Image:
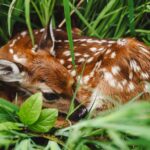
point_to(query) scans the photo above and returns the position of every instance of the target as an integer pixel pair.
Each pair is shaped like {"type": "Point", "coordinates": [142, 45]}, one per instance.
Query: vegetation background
{"type": "Point", "coordinates": [126, 127]}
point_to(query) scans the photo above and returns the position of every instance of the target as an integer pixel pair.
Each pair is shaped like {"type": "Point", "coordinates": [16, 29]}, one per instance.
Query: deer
{"type": "Point", "coordinates": [115, 71]}
{"type": "Point", "coordinates": [24, 70]}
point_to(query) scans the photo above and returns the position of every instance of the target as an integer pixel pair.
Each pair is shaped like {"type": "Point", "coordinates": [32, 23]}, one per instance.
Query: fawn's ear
{"type": "Point", "coordinates": [48, 40]}
{"type": "Point", "coordinates": [9, 71]}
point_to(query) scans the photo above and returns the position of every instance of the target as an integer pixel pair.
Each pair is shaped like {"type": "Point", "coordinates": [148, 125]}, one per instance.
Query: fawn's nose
{"type": "Point", "coordinates": [79, 113]}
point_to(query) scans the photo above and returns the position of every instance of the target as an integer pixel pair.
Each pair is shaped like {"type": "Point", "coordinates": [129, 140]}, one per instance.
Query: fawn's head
{"type": "Point", "coordinates": [33, 68]}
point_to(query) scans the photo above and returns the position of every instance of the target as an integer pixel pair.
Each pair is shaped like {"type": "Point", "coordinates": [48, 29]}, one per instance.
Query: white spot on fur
{"type": "Point", "coordinates": [11, 51]}
{"type": "Point", "coordinates": [86, 55]}
{"type": "Point", "coordinates": [131, 75]}
{"type": "Point", "coordinates": [70, 59]}
{"type": "Point", "coordinates": [115, 70]}
{"type": "Point", "coordinates": [58, 29]}
{"type": "Point", "coordinates": [91, 74]}
{"type": "Point", "coordinates": [131, 87]}
{"type": "Point", "coordinates": [73, 73]}
{"type": "Point", "coordinates": [124, 82]}
{"type": "Point", "coordinates": [81, 60]}
{"type": "Point", "coordinates": [69, 66]}
{"type": "Point", "coordinates": [79, 79]}
{"type": "Point", "coordinates": [24, 33]}
{"type": "Point", "coordinates": [13, 43]}
{"type": "Point", "coordinates": [58, 41]}
{"type": "Point", "coordinates": [144, 75]}
{"type": "Point", "coordinates": [111, 42]}
{"type": "Point", "coordinates": [97, 53]}
{"type": "Point", "coordinates": [108, 51]}
{"type": "Point", "coordinates": [90, 41]}
{"type": "Point", "coordinates": [112, 83]}
{"type": "Point", "coordinates": [122, 42]}
{"type": "Point", "coordinates": [86, 79]}
{"type": "Point", "coordinates": [109, 45]}
{"type": "Point", "coordinates": [36, 32]}
{"type": "Point", "coordinates": [147, 87]}
{"type": "Point", "coordinates": [66, 53]}
{"type": "Point", "coordinates": [18, 38]}
{"type": "Point", "coordinates": [75, 40]}
{"type": "Point", "coordinates": [66, 41]}
{"type": "Point", "coordinates": [93, 49]}
{"type": "Point", "coordinates": [83, 40]}
{"type": "Point", "coordinates": [119, 86]}
{"type": "Point", "coordinates": [134, 66]}
{"type": "Point", "coordinates": [97, 65]}
{"type": "Point", "coordinates": [90, 60]}
{"type": "Point", "coordinates": [104, 41]}
{"type": "Point", "coordinates": [77, 54]}
{"type": "Point", "coordinates": [113, 55]}
{"type": "Point", "coordinates": [19, 59]}
{"type": "Point", "coordinates": [101, 49]}
{"type": "Point", "coordinates": [83, 44]}
{"type": "Point", "coordinates": [108, 76]}
{"type": "Point", "coordinates": [42, 30]}
{"type": "Point", "coordinates": [62, 61]}
{"type": "Point", "coordinates": [144, 49]}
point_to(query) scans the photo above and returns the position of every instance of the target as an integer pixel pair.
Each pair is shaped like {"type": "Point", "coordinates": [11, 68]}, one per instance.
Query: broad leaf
{"type": "Point", "coordinates": [7, 126]}
{"type": "Point", "coordinates": [30, 110]}
{"type": "Point", "coordinates": [24, 145]}
{"type": "Point", "coordinates": [52, 146]}
{"type": "Point", "coordinates": [6, 115]}
{"type": "Point", "coordinates": [8, 106]}
{"type": "Point", "coordinates": [46, 120]}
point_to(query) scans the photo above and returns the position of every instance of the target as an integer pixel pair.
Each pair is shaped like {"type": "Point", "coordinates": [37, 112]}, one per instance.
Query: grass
{"type": "Point", "coordinates": [126, 127]}
{"type": "Point", "coordinates": [68, 26]}
{"type": "Point", "coordinates": [103, 19]}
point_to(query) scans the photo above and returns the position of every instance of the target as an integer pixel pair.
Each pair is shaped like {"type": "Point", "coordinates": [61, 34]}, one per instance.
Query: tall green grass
{"type": "Point", "coordinates": [103, 19]}
{"type": "Point", "coordinates": [68, 27]}
{"type": "Point", "coordinates": [125, 127]}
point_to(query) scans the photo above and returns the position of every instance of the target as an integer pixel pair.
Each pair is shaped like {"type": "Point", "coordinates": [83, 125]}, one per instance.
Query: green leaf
{"type": "Point", "coordinates": [30, 110]}
{"type": "Point", "coordinates": [24, 145]}
{"type": "Point", "coordinates": [8, 106]}
{"type": "Point", "coordinates": [7, 126]}
{"type": "Point", "coordinates": [46, 120]}
{"type": "Point", "coordinates": [52, 146]}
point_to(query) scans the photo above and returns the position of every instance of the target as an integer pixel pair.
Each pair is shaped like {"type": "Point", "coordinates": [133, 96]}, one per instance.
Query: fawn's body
{"type": "Point", "coordinates": [113, 69]}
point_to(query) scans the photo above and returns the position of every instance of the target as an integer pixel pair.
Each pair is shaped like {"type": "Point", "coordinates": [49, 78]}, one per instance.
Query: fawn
{"type": "Point", "coordinates": [116, 70]}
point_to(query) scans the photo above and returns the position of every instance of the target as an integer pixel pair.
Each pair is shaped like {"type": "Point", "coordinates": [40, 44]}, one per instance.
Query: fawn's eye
{"type": "Point", "coordinates": [50, 96]}
{"type": "Point", "coordinates": [42, 80]}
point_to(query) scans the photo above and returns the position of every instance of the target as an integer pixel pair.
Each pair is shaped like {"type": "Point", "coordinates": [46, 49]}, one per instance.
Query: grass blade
{"type": "Point", "coordinates": [69, 31]}
{"type": "Point", "coordinates": [28, 21]}
{"type": "Point", "coordinates": [9, 15]}
{"type": "Point", "coordinates": [131, 16]}
{"type": "Point", "coordinates": [84, 20]}
{"type": "Point", "coordinates": [103, 12]}
{"type": "Point", "coordinates": [8, 106]}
